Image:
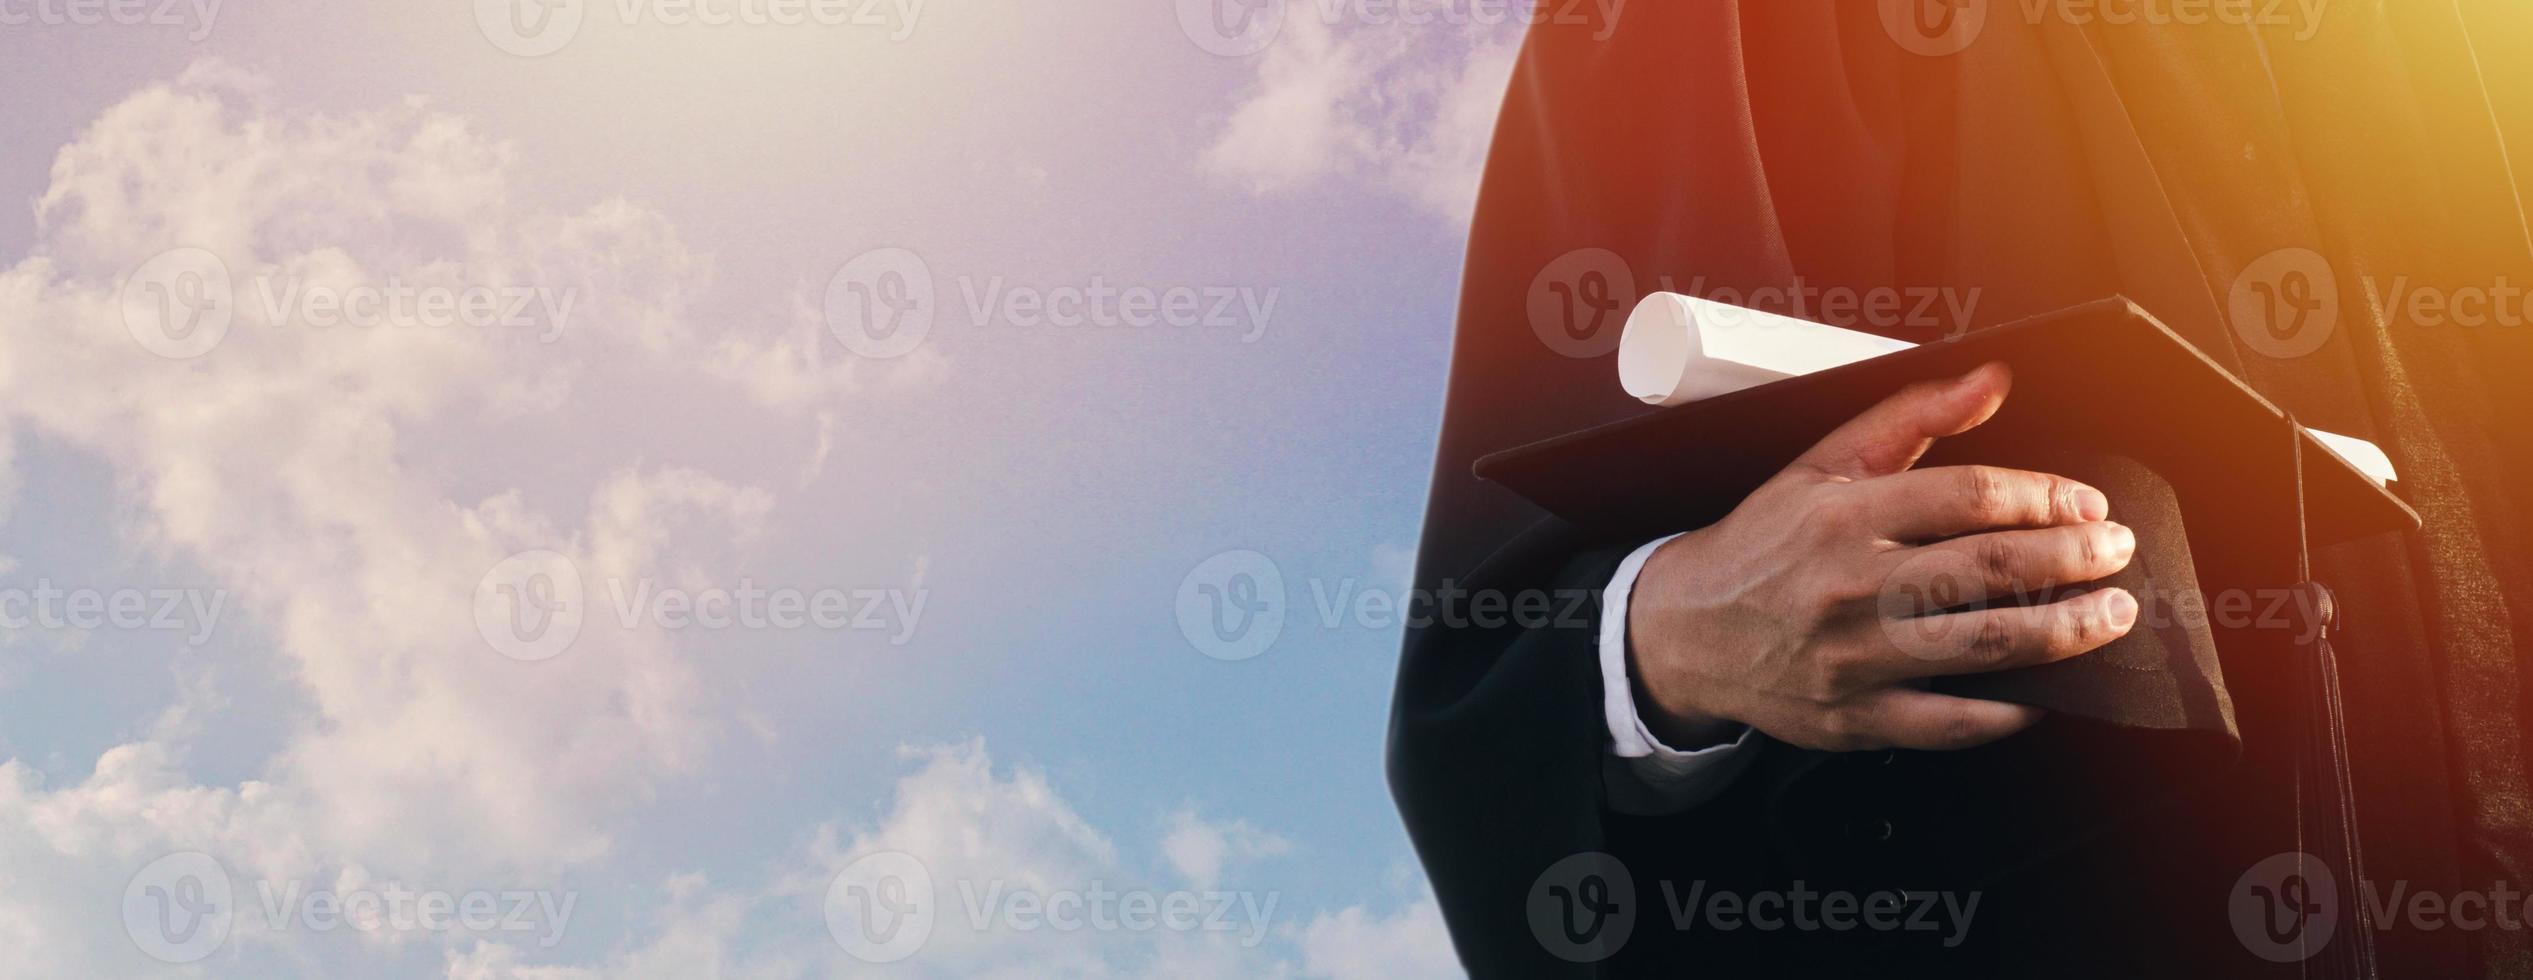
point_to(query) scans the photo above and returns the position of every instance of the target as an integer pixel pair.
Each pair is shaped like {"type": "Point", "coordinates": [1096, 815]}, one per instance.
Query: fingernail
{"type": "Point", "coordinates": [2123, 542]}
{"type": "Point", "coordinates": [2091, 504]}
{"type": "Point", "coordinates": [2123, 609]}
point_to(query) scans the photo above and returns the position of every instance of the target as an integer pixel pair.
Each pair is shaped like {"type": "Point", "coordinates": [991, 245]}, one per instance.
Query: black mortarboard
{"type": "Point", "coordinates": [2227, 495]}
{"type": "Point", "coordinates": [2224, 490]}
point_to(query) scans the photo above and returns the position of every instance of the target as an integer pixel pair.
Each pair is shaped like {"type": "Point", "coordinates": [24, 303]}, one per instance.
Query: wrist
{"type": "Point", "coordinates": [1685, 729]}
{"type": "Point", "coordinates": [1673, 716]}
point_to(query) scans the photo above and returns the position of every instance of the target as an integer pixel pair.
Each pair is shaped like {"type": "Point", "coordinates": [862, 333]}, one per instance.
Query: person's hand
{"type": "Point", "coordinates": [1783, 617]}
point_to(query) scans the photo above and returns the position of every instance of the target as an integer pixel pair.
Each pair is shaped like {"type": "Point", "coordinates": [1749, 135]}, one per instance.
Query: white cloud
{"type": "Point", "coordinates": [347, 485]}
{"type": "Point", "coordinates": [1400, 107]}
{"type": "Point", "coordinates": [1356, 943]}
{"type": "Point", "coordinates": [1200, 849]}
{"type": "Point", "coordinates": [990, 839]}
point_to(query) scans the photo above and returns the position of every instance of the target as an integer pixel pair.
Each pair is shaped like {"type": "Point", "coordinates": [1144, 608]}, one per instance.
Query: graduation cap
{"type": "Point", "coordinates": [2226, 492]}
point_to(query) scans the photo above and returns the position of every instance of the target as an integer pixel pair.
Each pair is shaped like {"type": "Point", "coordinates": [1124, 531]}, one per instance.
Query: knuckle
{"type": "Point", "coordinates": [2057, 500]}
{"type": "Point", "coordinates": [1830, 502]}
{"type": "Point", "coordinates": [1995, 555]}
{"type": "Point", "coordinates": [2098, 627]}
{"type": "Point", "coordinates": [2010, 497]}
{"type": "Point", "coordinates": [1838, 674]}
{"type": "Point", "coordinates": [1984, 490]}
{"type": "Point", "coordinates": [1845, 586]}
{"type": "Point", "coordinates": [1849, 584]}
{"type": "Point", "coordinates": [2081, 628]}
{"type": "Point", "coordinates": [2091, 548]}
{"type": "Point", "coordinates": [1836, 722]}
{"type": "Point", "coordinates": [1834, 513]}
{"type": "Point", "coordinates": [1843, 728]}
{"type": "Point", "coordinates": [1992, 642]}
{"type": "Point", "coordinates": [1811, 604]}
{"type": "Point", "coordinates": [2063, 507]}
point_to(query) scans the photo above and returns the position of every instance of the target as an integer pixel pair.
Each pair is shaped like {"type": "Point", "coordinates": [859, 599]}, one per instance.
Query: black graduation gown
{"type": "Point", "coordinates": [1764, 150]}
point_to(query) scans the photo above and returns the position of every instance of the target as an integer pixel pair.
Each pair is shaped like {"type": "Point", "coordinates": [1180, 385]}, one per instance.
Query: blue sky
{"type": "Point", "coordinates": [696, 423]}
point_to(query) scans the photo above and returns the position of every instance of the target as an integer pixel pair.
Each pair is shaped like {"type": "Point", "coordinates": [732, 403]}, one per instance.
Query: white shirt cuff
{"type": "Point", "coordinates": [1645, 776]}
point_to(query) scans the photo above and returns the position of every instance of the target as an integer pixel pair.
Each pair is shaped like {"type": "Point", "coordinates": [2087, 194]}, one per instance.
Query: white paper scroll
{"type": "Point", "coordinates": [1677, 349]}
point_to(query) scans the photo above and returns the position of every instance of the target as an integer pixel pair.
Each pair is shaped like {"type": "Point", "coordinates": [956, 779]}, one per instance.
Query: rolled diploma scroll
{"type": "Point", "coordinates": [1677, 349]}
